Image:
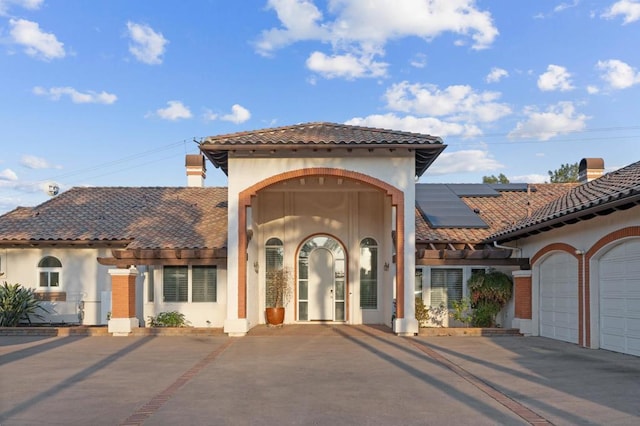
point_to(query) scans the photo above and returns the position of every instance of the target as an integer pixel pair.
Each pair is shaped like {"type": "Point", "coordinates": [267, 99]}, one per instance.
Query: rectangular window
{"type": "Point", "coordinates": [49, 279]}
{"type": "Point", "coordinates": [446, 287]}
{"type": "Point", "coordinates": [151, 291]}
{"type": "Point", "coordinates": [203, 284]}
{"type": "Point", "coordinates": [369, 277]}
{"type": "Point", "coordinates": [175, 283]}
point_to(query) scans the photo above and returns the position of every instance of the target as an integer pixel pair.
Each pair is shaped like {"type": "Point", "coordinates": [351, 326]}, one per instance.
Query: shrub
{"type": "Point", "coordinates": [490, 291]}
{"type": "Point", "coordinates": [422, 312]}
{"type": "Point", "coordinates": [462, 311]}
{"type": "Point", "coordinates": [168, 319]}
{"type": "Point", "coordinates": [18, 304]}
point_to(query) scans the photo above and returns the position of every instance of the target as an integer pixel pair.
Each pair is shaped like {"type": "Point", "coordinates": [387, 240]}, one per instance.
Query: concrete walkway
{"type": "Point", "coordinates": [313, 375]}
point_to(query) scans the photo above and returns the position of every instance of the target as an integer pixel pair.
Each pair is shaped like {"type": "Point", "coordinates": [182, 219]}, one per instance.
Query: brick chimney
{"type": "Point", "coordinates": [196, 170]}
{"type": "Point", "coordinates": [590, 169]}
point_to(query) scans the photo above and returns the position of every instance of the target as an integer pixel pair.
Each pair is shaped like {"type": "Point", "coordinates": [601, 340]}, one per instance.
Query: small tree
{"type": "Point", "coordinates": [422, 312]}
{"type": "Point", "coordinates": [501, 178]}
{"type": "Point", "coordinates": [278, 287]}
{"type": "Point", "coordinates": [18, 304]}
{"type": "Point", "coordinates": [490, 292]}
{"type": "Point", "coordinates": [567, 173]}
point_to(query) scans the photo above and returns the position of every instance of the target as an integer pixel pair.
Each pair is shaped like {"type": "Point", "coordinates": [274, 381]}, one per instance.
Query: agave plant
{"type": "Point", "coordinates": [18, 303]}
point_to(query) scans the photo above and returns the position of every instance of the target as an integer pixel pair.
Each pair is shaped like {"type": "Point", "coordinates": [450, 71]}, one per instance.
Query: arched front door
{"type": "Point", "coordinates": [321, 280]}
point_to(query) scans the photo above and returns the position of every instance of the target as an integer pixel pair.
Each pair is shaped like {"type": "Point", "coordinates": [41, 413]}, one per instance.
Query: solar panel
{"type": "Point", "coordinates": [513, 187]}
{"type": "Point", "coordinates": [473, 190]}
{"type": "Point", "coordinates": [443, 208]}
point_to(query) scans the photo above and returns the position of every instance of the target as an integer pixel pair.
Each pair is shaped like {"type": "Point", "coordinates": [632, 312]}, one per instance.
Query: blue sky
{"type": "Point", "coordinates": [114, 92]}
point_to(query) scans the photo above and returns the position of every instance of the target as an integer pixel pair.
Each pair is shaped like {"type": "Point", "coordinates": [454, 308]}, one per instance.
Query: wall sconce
{"type": "Point", "coordinates": [386, 266]}
{"type": "Point", "coordinates": [256, 266]}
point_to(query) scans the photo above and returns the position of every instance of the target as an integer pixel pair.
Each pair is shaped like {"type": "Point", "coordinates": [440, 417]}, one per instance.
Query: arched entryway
{"type": "Point", "coordinates": [321, 280]}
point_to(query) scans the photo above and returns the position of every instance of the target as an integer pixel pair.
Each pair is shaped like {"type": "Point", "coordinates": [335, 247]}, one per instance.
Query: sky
{"type": "Point", "coordinates": [116, 92]}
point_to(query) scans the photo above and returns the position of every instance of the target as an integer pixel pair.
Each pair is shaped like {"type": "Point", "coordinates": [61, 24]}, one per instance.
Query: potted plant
{"type": "Point", "coordinates": [278, 292]}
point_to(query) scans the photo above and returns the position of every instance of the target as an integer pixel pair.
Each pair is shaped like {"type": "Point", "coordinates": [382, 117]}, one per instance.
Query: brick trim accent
{"type": "Point", "coordinates": [568, 248]}
{"type": "Point", "coordinates": [123, 293]}
{"type": "Point", "coordinates": [631, 231]}
{"type": "Point", "coordinates": [51, 296]}
{"type": "Point", "coordinates": [244, 201]}
{"type": "Point", "coordinates": [522, 295]}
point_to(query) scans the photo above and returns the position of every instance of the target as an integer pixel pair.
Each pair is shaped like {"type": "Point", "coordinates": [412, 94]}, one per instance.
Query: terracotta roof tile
{"type": "Point", "coordinates": [152, 217]}
{"type": "Point", "coordinates": [497, 212]}
{"type": "Point", "coordinates": [616, 188]}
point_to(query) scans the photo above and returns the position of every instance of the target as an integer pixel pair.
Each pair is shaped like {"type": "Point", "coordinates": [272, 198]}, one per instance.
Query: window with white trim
{"type": "Point", "coordinates": [446, 287]}
{"type": "Point", "coordinates": [368, 274]}
{"type": "Point", "coordinates": [189, 284]}
{"type": "Point", "coordinates": [50, 269]}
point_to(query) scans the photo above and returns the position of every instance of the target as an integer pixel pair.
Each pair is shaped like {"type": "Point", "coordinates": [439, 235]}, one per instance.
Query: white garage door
{"type": "Point", "coordinates": [559, 297]}
{"type": "Point", "coordinates": [620, 298]}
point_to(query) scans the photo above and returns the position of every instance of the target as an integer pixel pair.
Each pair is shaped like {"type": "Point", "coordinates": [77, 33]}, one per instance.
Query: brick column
{"type": "Point", "coordinates": [123, 301]}
{"type": "Point", "coordinates": [522, 298]}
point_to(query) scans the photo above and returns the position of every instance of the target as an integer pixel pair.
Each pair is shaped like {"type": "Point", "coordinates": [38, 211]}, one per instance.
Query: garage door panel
{"type": "Point", "coordinates": [619, 279]}
{"type": "Point", "coordinates": [558, 297]}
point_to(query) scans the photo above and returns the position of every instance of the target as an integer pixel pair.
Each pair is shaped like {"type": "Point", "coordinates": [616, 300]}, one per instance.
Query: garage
{"type": "Point", "coordinates": [619, 276]}
{"type": "Point", "coordinates": [558, 313]}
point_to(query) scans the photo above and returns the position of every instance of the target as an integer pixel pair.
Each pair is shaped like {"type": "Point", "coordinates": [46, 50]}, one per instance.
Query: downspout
{"type": "Point", "coordinates": [496, 245]}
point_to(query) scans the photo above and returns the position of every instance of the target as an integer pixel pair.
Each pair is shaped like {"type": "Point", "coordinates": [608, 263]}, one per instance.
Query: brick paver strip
{"type": "Point", "coordinates": [154, 404]}
{"type": "Point", "coordinates": [530, 416]}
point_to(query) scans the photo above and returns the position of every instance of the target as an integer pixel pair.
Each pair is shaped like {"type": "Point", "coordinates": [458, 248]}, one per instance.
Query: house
{"type": "Point", "coordinates": [584, 249]}
{"type": "Point", "coordinates": [336, 204]}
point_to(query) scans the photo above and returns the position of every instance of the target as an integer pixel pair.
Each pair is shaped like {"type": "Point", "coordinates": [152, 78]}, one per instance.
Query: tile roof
{"type": "Point", "coordinates": [150, 217]}
{"type": "Point", "coordinates": [496, 212]}
{"type": "Point", "coordinates": [320, 134]}
{"type": "Point", "coordinates": [616, 190]}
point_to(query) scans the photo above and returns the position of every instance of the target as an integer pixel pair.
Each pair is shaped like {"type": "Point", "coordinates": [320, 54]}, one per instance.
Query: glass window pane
{"type": "Point", "coordinates": [175, 284]}
{"type": "Point", "coordinates": [340, 290]}
{"type": "Point", "coordinates": [339, 311]}
{"type": "Point", "coordinates": [302, 311]}
{"type": "Point", "coordinates": [303, 290]}
{"type": "Point", "coordinates": [44, 279]}
{"type": "Point", "coordinates": [50, 262]}
{"type": "Point", "coordinates": [203, 284]}
{"type": "Point", "coordinates": [446, 287]}
{"type": "Point", "coordinates": [368, 274]}
{"type": "Point", "coordinates": [54, 279]}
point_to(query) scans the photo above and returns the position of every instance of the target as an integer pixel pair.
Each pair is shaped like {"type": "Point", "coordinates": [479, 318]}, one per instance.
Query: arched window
{"type": "Point", "coordinates": [368, 274]}
{"type": "Point", "coordinates": [274, 260]}
{"type": "Point", "coordinates": [50, 268]}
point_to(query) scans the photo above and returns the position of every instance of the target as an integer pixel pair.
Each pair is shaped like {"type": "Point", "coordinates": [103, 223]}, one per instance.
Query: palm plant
{"type": "Point", "coordinates": [17, 304]}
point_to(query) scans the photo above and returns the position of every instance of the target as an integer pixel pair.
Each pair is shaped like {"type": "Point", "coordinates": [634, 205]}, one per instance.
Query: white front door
{"type": "Point", "coordinates": [321, 285]}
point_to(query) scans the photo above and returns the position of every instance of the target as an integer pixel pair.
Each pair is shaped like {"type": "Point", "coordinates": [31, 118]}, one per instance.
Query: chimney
{"type": "Point", "coordinates": [590, 169]}
{"type": "Point", "coordinates": [196, 170]}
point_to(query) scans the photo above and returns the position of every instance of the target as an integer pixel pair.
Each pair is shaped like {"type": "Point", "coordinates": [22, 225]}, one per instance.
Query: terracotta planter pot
{"type": "Point", "coordinates": [275, 316]}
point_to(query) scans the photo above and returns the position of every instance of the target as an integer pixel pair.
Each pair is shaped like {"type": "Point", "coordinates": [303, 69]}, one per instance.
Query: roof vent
{"type": "Point", "coordinates": [590, 169]}
{"type": "Point", "coordinates": [196, 170]}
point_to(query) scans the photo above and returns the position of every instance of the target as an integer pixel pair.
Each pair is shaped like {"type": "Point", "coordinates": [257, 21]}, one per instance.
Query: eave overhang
{"type": "Point", "coordinates": [167, 257]}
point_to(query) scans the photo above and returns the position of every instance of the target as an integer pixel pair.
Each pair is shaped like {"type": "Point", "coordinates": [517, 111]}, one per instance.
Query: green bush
{"type": "Point", "coordinates": [168, 319]}
{"type": "Point", "coordinates": [462, 311]}
{"type": "Point", "coordinates": [422, 312]}
{"type": "Point", "coordinates": [490, 292]}
{"type": "Point", "coordinates": [18, 304]}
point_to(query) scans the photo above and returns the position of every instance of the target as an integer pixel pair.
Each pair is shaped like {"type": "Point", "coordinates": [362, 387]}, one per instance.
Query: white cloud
{"type": "Point", "coordinates": [209, 115]}
{"type": "Point", "coordinates": [419, 61]}
{"type": "Point", "coordinates": [592, 90]}
{"type": "Point", "coordinates": [557, 119]}
{"type": "Point", "coordinates": [358, 32]}
{"type": "Point", "coordinates": [8, 175]}
{"type": "Point", "coordinates": [618, 74]}
{"type": "Point", "coordinates": [459, 102]}
{"type": "Point", "coordinates": [466, 161]}
{"type": "Point", "coordinates": [564, 6]}
{"type": "Point", "coordinates": [37, 43]}
{"type": "Point", "coordinates": [630, 9]}
{"type": "Point", "coordinates": [238, 115]}
{"type": "Point", "coordinates": [496, 75]}
{"type": "Point", "coordinates": [33, 162]}
{"type": "Point", "coordinates": [90, 97]}
{"type": "Point", "coordinates": [346, 66]}
{"type": "Point", "coordinates": [532, 178]}
{"type": "Point", "coordinates": [424, 125]}
{"type": "Point", "coordinates": [556, 78]}
{"type": "Point", "coordinates": [146, 45]}
{"type": "Point", "coordinates": [176, 110]}
{"type": "Point", "coordinates": [25, 4]}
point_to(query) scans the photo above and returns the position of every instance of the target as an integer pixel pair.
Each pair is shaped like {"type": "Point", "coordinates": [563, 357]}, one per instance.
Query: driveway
{"type": "Point", "coordinates": [313, 375]}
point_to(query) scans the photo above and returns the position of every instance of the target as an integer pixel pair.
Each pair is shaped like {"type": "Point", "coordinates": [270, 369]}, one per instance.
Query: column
{"type": "Point", "coordinates": [522, 297]}
{"type": "Point", "coordinates": [123, 301]}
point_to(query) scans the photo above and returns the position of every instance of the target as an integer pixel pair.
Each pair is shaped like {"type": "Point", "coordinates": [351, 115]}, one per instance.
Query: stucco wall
{"type": "Point", "coordinates": [82, 279]}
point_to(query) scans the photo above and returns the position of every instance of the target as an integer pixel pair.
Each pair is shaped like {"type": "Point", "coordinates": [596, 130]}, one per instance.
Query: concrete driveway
{"type": "Point", "coordinates": [313, 375]}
